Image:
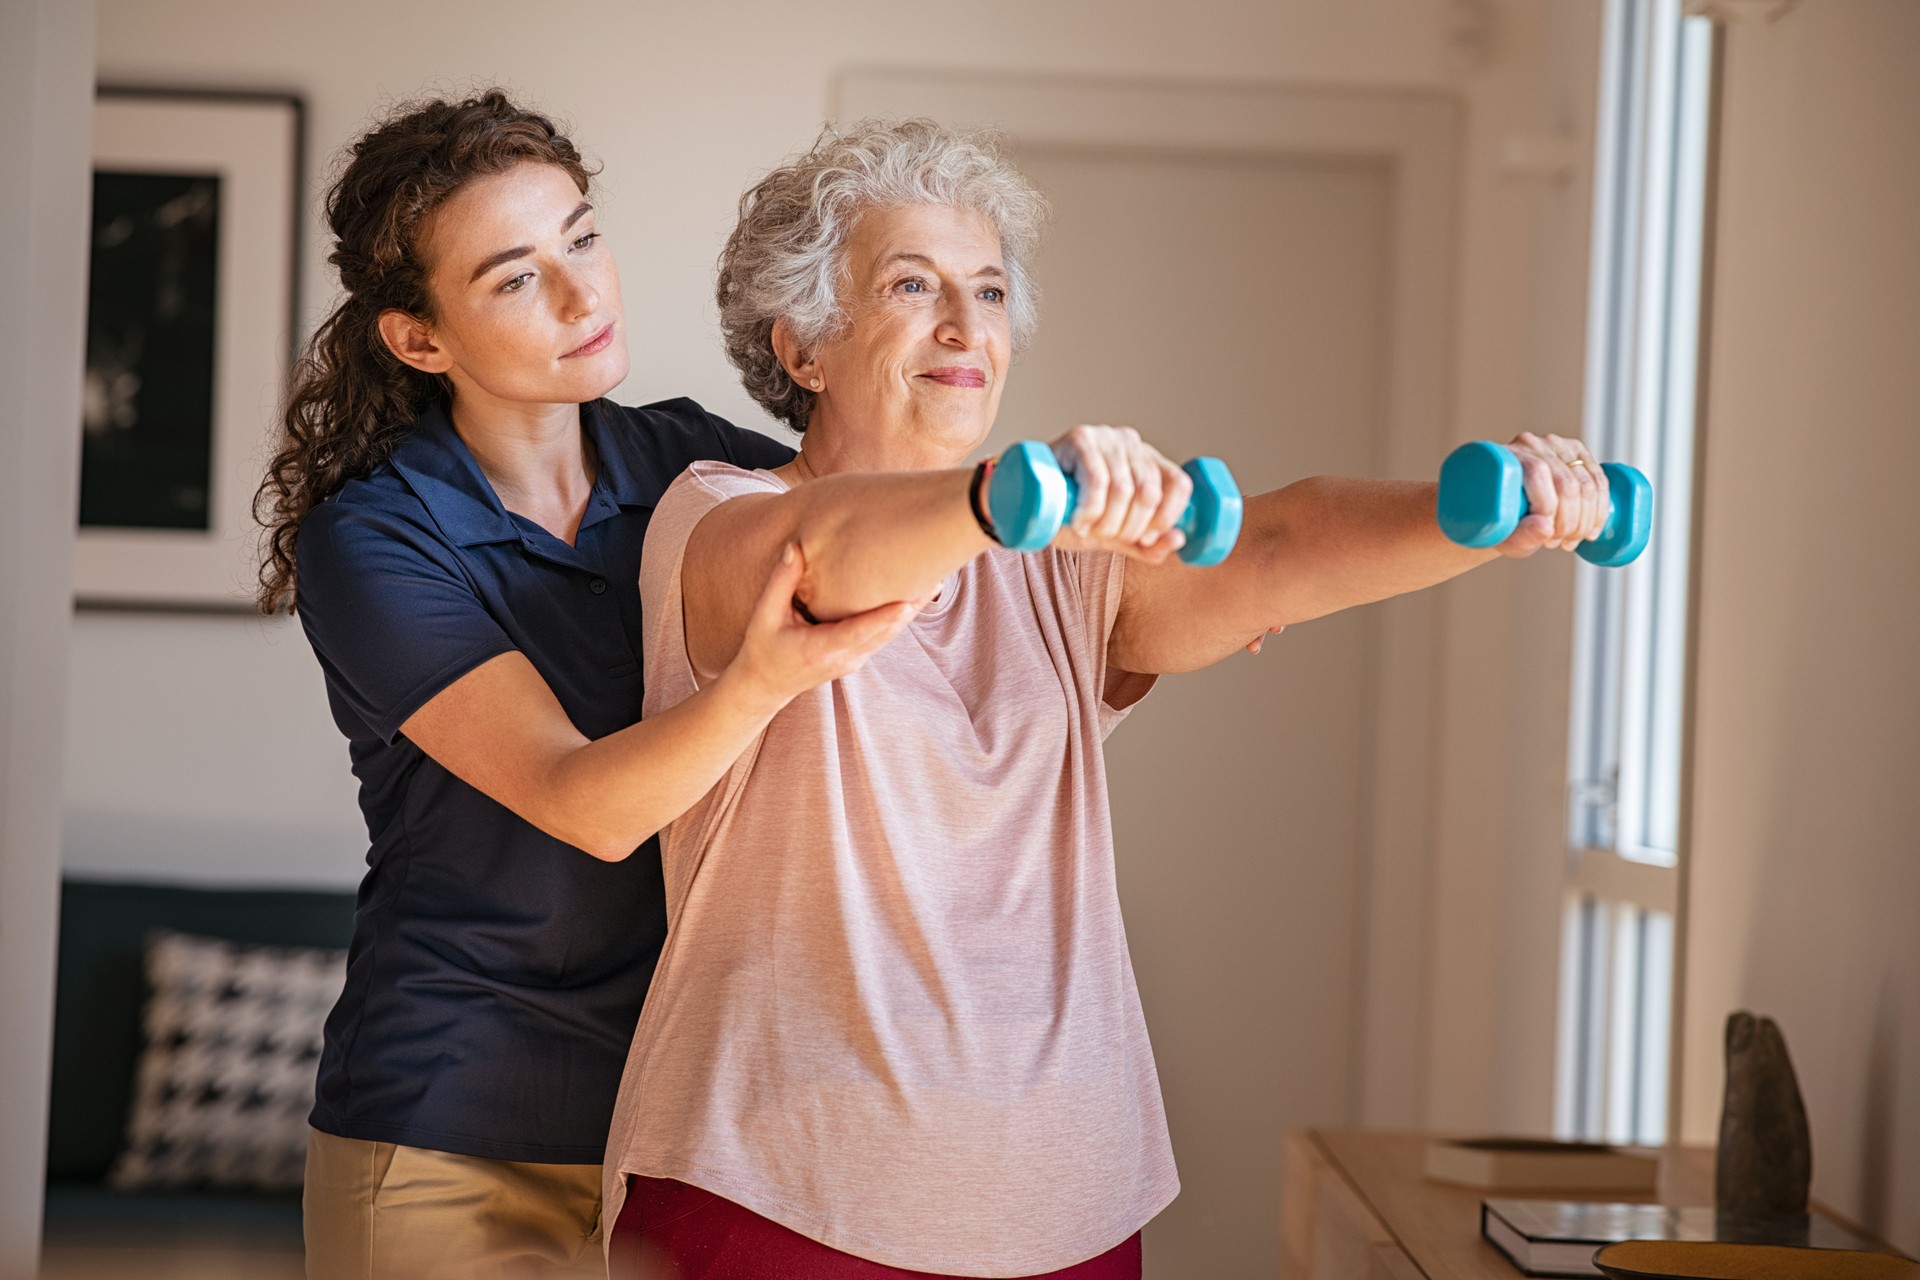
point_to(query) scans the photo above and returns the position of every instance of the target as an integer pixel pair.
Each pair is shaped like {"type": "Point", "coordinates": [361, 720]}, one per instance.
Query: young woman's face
{"type": "Point", "coordinates": [525, 292]}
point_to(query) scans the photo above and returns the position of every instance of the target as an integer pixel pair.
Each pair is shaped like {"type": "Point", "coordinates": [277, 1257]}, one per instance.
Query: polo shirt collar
{"type": "Point", "coordinates": [617, 474]}
{"type": "Point", "coordinates": [442, 472]}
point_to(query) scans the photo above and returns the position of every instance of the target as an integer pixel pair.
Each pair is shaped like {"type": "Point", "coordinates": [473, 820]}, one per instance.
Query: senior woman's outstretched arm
{"type": "Point", "coordinates": [867, 539]}
{"type": "Point", "coordinates": [1331, 543]}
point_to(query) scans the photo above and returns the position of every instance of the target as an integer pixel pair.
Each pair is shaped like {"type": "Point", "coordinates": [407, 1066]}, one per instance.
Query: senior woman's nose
{"type": "Point", "coordinates": [963, 321]}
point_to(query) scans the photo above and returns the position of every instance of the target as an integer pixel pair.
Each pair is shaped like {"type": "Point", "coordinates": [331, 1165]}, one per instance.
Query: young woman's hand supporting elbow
{"type": "Point", "coordinates": [500, 729]}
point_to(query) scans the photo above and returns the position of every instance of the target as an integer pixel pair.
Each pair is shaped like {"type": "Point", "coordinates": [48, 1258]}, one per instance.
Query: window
{"type": "Point", "coordinates": [1630, 649]}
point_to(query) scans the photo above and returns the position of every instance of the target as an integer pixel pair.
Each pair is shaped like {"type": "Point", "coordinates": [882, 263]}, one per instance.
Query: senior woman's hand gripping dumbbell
{"type": "Point", "coordinates": [1483, 499]}
{"type": "Point", "coordinates": [1029, 498]}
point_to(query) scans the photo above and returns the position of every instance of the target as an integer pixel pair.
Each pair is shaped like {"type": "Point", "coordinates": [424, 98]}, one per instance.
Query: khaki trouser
{"type": "Point", "coordinates": [377, 1211]}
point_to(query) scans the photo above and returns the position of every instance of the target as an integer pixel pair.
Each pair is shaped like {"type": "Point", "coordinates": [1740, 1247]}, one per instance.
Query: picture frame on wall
{"type": "Point", "coordinates": [191, 323]}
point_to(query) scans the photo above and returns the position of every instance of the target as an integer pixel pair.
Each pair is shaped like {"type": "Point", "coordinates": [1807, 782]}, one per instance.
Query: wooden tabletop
{"type": "Point", "coordinates": [1438, 1226]}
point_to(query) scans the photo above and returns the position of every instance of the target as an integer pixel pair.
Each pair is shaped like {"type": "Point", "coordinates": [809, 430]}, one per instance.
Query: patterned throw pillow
{"type": "Point", "coordinates": [226, 1080]}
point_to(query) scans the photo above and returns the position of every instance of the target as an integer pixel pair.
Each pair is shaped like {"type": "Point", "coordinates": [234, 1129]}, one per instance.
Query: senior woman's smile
{"type": "Point", "coordinates": [956, 375]}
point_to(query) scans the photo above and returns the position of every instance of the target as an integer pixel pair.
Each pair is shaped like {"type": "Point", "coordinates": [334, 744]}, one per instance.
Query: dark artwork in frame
{"type": "Point", "coordinates": [147, 444]}
{"type": "Point", "coordinates": [191, 325]}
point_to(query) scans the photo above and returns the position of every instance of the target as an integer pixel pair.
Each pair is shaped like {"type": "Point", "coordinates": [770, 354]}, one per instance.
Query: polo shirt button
{"type": "Point", "coordinates": [598, 586]}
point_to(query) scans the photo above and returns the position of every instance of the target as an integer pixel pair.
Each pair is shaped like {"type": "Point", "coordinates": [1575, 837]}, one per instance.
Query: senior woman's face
{"type": "Point", "coordinates": [927, 343]}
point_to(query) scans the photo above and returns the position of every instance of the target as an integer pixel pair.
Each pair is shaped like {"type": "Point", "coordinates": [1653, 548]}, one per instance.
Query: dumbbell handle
{"type": "Point", "coordinates": [1483, 499]}
{"type": "Point", "coordinates": [1030, 498]}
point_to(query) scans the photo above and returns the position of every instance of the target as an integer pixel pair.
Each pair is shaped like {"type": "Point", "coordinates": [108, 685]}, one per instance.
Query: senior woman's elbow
{"type": "Point", "coordinates": [613, 853]}
{"type": "Point", "coordinates": [845, 566]}
{"type": "Point", "coordinates": [603, 840]}
{"type": "Point", "coordinates": [607, 847]}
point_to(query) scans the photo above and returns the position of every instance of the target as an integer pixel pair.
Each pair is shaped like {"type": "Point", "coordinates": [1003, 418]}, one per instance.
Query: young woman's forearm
{"type": "Point", "coordinates": [608, 796]}
{"type": "Point", "coordinates": [500, 729]}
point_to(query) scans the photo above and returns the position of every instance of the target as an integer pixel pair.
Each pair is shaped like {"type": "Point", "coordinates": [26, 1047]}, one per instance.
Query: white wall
{"type": "Point", "coordinates": [45, 96]}
{"type": "Point", "coordinates": [200, 749]}
{"type": "Point", "coordinates": [1805, 855]}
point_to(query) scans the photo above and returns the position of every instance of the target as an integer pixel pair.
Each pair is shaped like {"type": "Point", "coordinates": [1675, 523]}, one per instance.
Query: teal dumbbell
{"type": "Point", "coordinates": [1482, 501]}
{"type": "Point", "coordinates": [1029, 498]}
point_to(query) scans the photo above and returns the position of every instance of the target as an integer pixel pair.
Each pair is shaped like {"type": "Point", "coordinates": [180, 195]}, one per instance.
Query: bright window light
{"type": "Point", "coordinates": [1630, 646]}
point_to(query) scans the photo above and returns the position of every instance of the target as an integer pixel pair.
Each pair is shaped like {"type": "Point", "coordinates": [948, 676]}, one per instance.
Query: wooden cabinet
{"type": "Point", "coordinates": [1327, 1229]}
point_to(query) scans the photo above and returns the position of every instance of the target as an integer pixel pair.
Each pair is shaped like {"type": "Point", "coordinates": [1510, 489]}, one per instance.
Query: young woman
{"type": "Point", "coordinates": [456, 515]}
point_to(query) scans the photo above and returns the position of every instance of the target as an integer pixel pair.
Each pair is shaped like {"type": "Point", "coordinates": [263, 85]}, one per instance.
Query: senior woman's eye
{"type": "Point", "coordinates": [912, 284]}
{"type": "Point", "coordinates": [993, 293]}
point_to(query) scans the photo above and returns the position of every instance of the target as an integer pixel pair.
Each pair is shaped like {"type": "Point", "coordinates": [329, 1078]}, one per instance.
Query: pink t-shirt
{"type": "Point", "coordinates": [895, 1011]}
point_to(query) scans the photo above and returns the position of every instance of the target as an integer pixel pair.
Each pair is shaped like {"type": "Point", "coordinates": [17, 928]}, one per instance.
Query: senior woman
{"type": "Point", "coordinates": [894, 1030]}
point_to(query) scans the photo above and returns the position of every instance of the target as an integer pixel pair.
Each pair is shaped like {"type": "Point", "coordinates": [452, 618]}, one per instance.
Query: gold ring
{"type": "Point", "coordinates": [1578, 462]}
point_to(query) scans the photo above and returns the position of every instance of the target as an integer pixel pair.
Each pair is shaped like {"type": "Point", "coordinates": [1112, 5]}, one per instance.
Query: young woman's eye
{"type": "Point", "coordinates": [586, 239]}
{"type": "Point", "coordinates": [513, 285]}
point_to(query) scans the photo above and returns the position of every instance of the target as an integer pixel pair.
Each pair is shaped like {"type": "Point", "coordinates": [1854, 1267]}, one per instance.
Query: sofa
{"type": "Point", "coordinates": [100, 990]}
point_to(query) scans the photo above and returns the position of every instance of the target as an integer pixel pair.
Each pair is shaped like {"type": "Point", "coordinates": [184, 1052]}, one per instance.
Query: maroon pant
{"type": "Point", "coordinates": [671, 1231]}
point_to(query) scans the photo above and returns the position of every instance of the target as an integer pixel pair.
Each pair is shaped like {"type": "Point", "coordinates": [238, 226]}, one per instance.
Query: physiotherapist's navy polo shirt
{"type": "Point", "coordinates": [496, 973]}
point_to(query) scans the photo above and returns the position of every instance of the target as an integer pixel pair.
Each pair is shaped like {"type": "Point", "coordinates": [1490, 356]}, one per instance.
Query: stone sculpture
{"type": "Point", "coordinates": [1765, 1159]}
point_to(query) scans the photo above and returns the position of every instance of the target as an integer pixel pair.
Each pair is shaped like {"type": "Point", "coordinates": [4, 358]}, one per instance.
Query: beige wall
{"type": "Point", "coordinates": [1805, 878]}
{"type": "Point", "coordinates": [1456, 954]}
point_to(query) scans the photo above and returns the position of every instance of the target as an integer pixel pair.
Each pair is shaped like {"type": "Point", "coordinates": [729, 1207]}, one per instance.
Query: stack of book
{"type": "Point", "coordinates": [1560, 1237]}
{"type": "Point", "coordinates": [1528, 1164]}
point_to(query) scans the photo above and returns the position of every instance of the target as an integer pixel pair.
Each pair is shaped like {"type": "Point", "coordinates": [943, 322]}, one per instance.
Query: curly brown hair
{"type": "Point", "coordinates": [351, 401]}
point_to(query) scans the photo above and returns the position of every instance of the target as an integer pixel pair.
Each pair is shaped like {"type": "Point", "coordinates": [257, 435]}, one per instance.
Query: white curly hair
{"type": "Point", "coordinates": [786, 257]}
